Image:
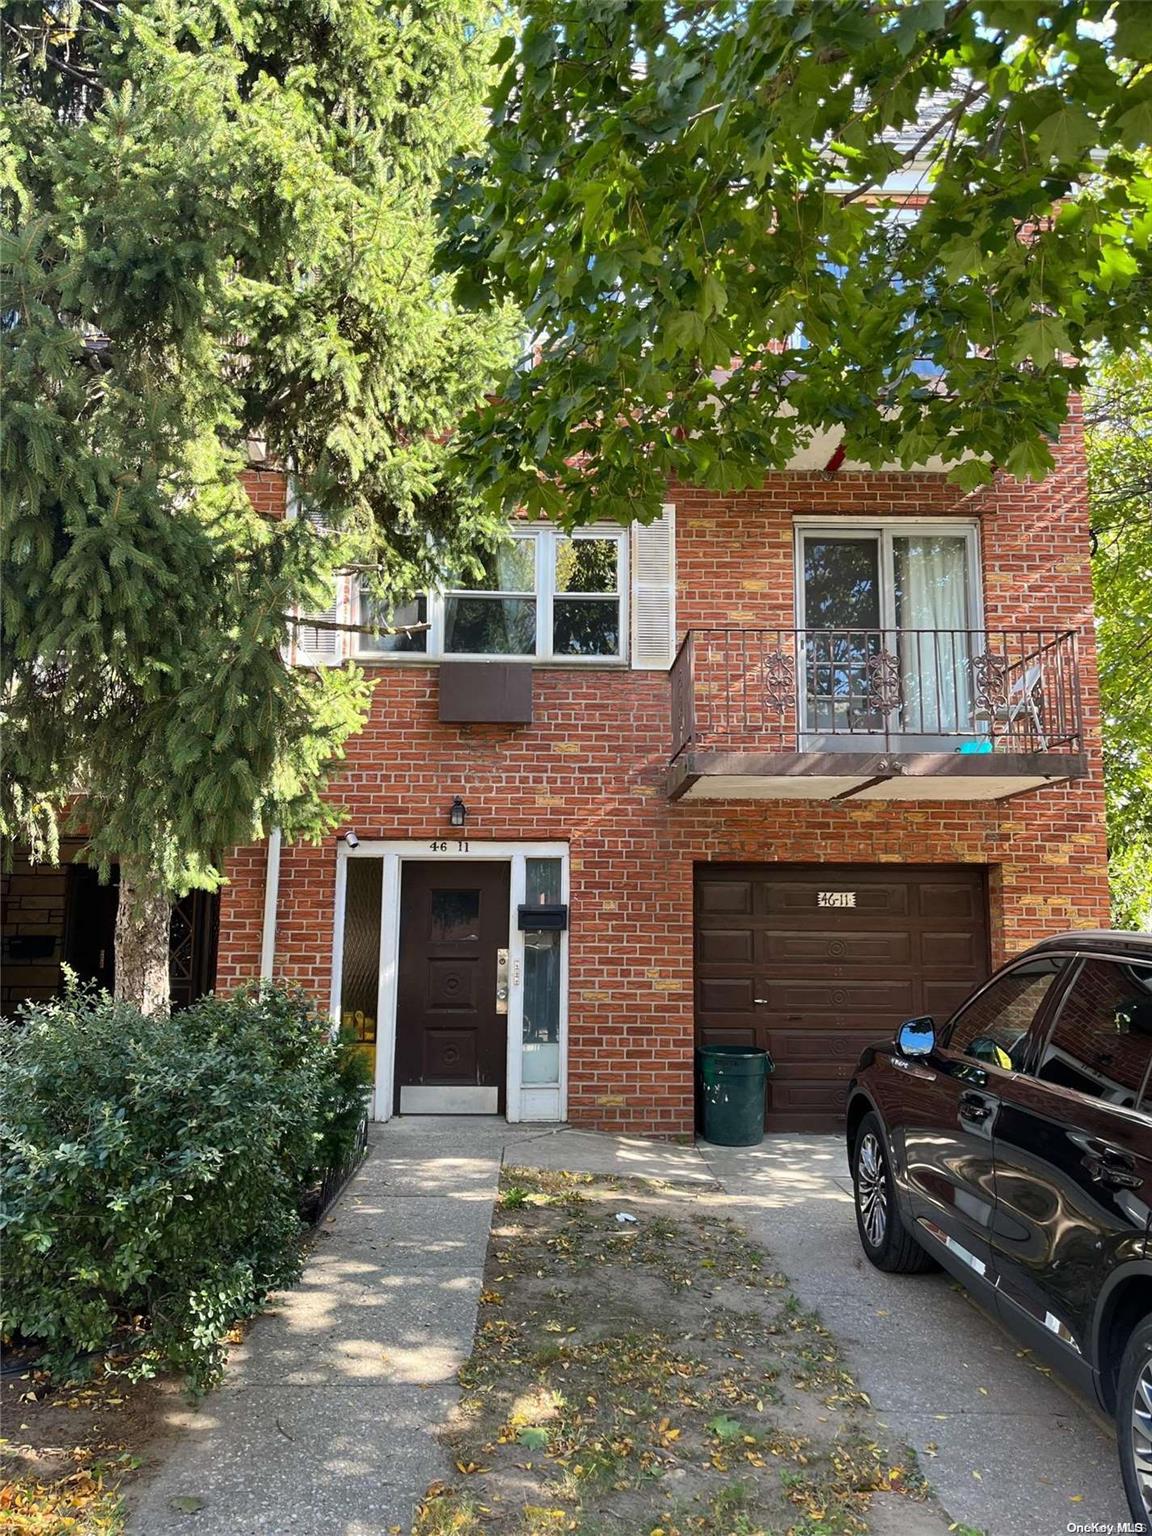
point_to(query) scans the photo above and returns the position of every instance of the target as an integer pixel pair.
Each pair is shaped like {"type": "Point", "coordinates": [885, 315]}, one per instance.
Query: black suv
{"type": "Point", "coordinates": [1013, 1146]}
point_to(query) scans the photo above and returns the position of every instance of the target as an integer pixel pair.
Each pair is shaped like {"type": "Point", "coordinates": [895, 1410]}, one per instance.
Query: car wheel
{"type": "Point", "coordinates": [884, 1237]}
{"type": "Point", "coordinates": [1134, 1424]}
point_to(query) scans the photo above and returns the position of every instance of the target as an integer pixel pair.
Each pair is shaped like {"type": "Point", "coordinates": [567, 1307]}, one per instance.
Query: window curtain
{"type": "Point", "coordinates": [932, 613]}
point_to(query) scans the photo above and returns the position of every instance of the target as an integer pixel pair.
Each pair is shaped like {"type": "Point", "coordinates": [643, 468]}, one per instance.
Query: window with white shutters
{"type": "Point", "coordinates": [654, 592]}
{"type": "Point", "coordinates": [317, 645]}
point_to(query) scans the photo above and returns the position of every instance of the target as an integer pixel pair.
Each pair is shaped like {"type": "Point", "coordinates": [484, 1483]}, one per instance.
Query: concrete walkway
{"type": "Point", "coordinates": [325, 1425]}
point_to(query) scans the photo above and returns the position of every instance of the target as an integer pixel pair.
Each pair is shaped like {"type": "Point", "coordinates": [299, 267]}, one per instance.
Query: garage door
{"type": "Point", "coordinates": [816, 961]}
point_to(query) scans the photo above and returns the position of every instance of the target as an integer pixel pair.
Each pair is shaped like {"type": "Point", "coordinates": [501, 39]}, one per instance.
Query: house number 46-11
{"type": "Point", "coordinates": [835, 898]}
{"type": "Point", "coordinates": [441, 845]}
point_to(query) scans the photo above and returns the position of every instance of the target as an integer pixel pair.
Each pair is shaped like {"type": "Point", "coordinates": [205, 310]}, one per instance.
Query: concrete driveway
{"type": "Point", "coordinates": [1008, 1450]}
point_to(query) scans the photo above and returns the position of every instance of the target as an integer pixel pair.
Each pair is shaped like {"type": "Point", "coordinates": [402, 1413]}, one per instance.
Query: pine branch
{"type": "Point", "coordinates": [301, 619]}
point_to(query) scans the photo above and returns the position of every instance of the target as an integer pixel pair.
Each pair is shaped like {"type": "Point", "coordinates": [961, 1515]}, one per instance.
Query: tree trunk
{"type": "Point", "coordinates": [143, 921]}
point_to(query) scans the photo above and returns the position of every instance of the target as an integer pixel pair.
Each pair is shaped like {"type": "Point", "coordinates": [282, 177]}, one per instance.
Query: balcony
{"type": "Point", "coordinates": [874, 714]}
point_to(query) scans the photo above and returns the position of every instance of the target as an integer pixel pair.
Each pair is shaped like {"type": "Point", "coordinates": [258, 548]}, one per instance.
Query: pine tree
{"type": "Point", "coordinates": [218, 231]}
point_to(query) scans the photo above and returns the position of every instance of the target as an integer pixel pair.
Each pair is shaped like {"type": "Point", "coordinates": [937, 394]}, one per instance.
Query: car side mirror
{"type": "Point", "coordinates": [916, 1037]}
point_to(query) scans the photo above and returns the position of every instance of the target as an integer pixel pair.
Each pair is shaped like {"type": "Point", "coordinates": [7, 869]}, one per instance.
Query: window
{"type": "Point", "coordinates": [993, 1027]}
{"type": "Point", "coordinates": [541, 1059]}
{"type": "Point", "coordinates": [494, 613]}
{"type": "Point", "coordinates": [909, 592]}
{"type": "Point", "coordinates": [895, 219]}
{"type": "Point", "coordinates": [543, 595]}
{"type": "Point", "coordinates": [454, 916]}
{"type": "Point", "coordinates": [586, 605]}
{"type": "Point", "coordinates": [361, 955]}
{"type": "Point", "coordinates": [1101, 1042]}
{"type": "Point", "coordinates": [414, 613]}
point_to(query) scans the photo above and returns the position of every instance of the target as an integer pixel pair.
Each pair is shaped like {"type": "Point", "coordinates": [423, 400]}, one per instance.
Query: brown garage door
{"type": "Point", "coordinates": [815, 961]}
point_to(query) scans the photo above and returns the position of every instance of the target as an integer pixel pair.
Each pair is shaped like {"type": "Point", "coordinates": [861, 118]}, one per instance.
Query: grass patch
{"type": "Point", "coordinates": [445, 1511]}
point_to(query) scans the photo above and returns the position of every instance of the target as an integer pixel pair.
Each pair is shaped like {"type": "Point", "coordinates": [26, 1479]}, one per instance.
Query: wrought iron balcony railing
{"type": "Point", "coordinates": [890, 690]}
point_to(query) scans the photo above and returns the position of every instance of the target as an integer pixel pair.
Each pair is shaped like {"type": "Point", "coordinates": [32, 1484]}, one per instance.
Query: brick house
{"type": "Point", "coordinates": [785, 766]}
{"type": "Point", "coordinates": [790, 765]}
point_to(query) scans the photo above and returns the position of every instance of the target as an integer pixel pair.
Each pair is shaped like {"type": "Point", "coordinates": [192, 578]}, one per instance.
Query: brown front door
{"type": "Point", "coordinates": [814, 962]}
{"type": "Point", "coordinates": [451, 1035]}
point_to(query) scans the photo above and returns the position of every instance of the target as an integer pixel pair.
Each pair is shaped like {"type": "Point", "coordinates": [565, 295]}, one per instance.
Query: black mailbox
{"type": "Point", "coordinates": [547, 917]}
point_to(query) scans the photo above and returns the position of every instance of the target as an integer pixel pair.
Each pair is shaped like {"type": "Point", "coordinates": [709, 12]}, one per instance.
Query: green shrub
{"type": "Point", "coordinates": [152, 1168]}
{"type": "Point", "coordinates": [345, 1093]}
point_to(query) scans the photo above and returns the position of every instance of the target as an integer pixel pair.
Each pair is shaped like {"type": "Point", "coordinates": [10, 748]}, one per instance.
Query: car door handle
{"type": "Point", "coordinates": [973, 1107]}
{"type": "Point", "coordinates": [1115, 1169]}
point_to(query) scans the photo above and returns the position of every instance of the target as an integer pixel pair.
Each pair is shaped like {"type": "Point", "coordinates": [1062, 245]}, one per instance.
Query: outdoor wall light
{"type": "Point", "coordinates": [458, 814]}
{"type": "Point", "coordinates": [350, 838]}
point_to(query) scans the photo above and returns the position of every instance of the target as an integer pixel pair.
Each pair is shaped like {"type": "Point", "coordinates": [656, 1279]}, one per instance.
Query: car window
{"type": "Point", "coordinates": [1101, 1042]}
{"type": "Point", "coordinates": [993, 1027]}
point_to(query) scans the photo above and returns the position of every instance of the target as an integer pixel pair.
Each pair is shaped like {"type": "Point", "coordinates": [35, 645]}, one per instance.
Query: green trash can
{"type": "Point", "coordinates": [731, 1081]}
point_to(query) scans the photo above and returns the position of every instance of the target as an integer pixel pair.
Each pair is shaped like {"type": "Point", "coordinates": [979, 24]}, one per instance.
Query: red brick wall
{"type": "Point", "coordinates": [265, 489]}
{"type": "Point", "coordinates": [590, 770]}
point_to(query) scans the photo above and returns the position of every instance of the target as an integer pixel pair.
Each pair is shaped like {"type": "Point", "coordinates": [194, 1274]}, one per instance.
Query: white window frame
{"type": "Point", "coordinates": [886, 528]}
{"type": "Point", "coordinates": [523, 1101]}
{"type": "Point", "coordinates": [545, 540]}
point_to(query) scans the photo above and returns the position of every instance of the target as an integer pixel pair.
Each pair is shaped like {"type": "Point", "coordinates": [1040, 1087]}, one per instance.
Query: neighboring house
{"type": "Point", "coordinates": [785, 766]}
{"type": "Point", "coordinates": [56, 916]}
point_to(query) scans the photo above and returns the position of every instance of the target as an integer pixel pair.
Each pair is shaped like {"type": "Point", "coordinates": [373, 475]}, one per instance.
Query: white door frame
{"type": "Point", "coordinates": [522, 1102]}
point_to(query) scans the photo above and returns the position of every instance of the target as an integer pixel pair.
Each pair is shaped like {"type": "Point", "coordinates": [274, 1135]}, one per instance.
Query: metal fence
{"type": "Point", "coordinates": [797, 690]}
{"type": "Point", "coordinates": [331, 1181]}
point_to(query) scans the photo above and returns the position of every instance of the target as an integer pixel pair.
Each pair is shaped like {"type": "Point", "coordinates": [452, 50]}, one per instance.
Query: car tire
{"type": "Point", "coordinates": [1134, 1424]}
{"type": "Point", "coordinates": [885, 1239]}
